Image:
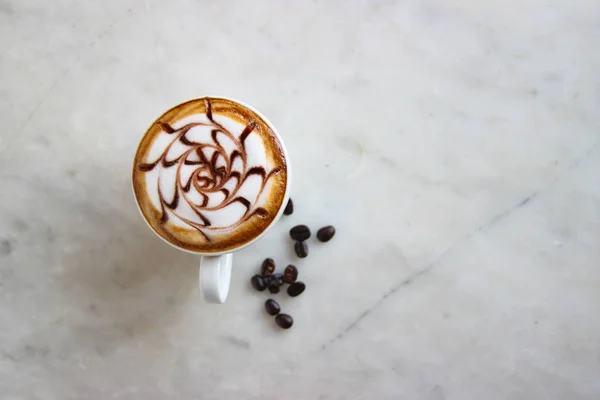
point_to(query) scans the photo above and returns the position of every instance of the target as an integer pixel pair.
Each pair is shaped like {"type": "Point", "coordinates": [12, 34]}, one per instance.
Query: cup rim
{"type": "Point", "coordinates": [286, 195]}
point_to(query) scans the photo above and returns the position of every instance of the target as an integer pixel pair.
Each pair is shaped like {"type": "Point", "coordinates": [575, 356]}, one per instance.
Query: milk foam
{"type": "Point", "coordinates": [203, 189]}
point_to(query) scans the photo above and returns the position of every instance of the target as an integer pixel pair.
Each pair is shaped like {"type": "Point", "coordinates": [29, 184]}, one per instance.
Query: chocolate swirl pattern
{"type": "Point", "coordinates": [211, 175]}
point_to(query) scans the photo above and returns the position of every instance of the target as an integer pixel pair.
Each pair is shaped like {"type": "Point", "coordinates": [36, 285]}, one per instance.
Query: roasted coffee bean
{"type": "Point", "coordinates": [278, 277]}
{"type": "Point", "coordinates": [300, 233]}
{"type": "Point", "coordinates": [258, 282]}
{"type": "Point", "coordinates": [272, 307]}
{"type": "Point", "coordinates": [326, 233]}
{"type": "Point", "coordinates": [289, 209]}
{"type": "Point", "coordinates": [301, 249]}
{"type": "Point", "coordinates": [274, 286]}
{"type": "Point", "coordinates": [290, 274]}
{"type": "Point", "coordinates": [284, 321]}
{"type": "Point", "coordinates": [296, 289]}
{"type": "Point", "coordinates": [268, 266]}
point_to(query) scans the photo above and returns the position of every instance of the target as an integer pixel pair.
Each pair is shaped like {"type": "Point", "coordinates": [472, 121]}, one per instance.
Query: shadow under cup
{"type": "Point", "coordinates": [211, 176]}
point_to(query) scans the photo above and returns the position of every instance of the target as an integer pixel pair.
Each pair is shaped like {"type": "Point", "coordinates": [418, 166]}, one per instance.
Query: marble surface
{"type": "Point", "coordinates": [453, 144]}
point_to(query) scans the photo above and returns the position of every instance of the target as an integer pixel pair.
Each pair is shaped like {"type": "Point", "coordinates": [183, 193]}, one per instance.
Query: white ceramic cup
{"type": "Point", "coordinates": [215, 268]}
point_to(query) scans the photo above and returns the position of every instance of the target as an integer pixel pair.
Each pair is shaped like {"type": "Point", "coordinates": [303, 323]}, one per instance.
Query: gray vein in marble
{"type": "Point", "coordinates": [39, 104]}
{"type": "Point", "coordinates": [6, 247]}
{"type": "Point", "coordinates": [237, 342]}
{"type": "Point", "coordinates": [65, 72]}
{"type": "Point", "coordinates": [492, 222]}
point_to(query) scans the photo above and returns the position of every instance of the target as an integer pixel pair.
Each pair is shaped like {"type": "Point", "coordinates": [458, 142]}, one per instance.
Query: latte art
{"type": "Point", "coordinates": [204, 185]}
{"type": "Point", "coordinates": [212, 176]}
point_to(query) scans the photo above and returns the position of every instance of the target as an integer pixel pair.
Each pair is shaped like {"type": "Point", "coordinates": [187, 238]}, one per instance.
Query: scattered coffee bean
{"type": "Point", "coordinates": [278, 277]}
{"type": "Point", "coordinates": [300, 233]}
{"type": "Point", "coordinates": [258, 282]}
{"type": "Point", "coordinates": [274, 286]}
{"type": "Point", "coordinates": [296, 289]}
{"type": "Point", "coordinates": [289, 209]}
{"type": "Point", "coordinates": [326, 233]}
{"type": "Point", "coordinates": [290, 274]}
{"type": "Point", "coordinates": [301, 249]}
{"type": "Point", "coordinates": [284, 321]}
{"type": "Point", "coordinates": [268, 266]}
{"type": "Point", "coordinates": [272, 307]}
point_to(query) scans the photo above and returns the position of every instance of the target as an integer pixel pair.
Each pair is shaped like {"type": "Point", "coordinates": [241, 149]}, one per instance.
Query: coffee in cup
{"type": "Point", "coordinates": [210, 175]}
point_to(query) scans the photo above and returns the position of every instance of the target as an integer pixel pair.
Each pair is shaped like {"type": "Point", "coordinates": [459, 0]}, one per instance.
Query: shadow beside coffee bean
{"type": "Point", "coordinates": [269, 279]}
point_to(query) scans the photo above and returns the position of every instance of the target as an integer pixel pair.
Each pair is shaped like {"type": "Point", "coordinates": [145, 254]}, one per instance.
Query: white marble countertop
{"type": "Point", "coordinates": [452, 143]}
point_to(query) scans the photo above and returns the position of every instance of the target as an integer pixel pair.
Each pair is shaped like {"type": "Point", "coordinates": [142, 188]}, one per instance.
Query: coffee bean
{"type": "Point", "coordinates": [290, 274]}
{"type": "Point", "coordinates": [278, 277]}
{"type": "Point", "coordinates": [284, 321]}
{"type": "Point", "coordinates": [258, 282]}
{"type": "Point", "coordinates": [272, 307]}
{"type": "Point", "coordinates": [274, 286]}
{"type": "Point", "coordinates": [300, 232]}
{"type": "Point", "coordinates": [301, 249]}
{"type": "Point", "coordinates": [296, 289]}
{"type": "Point", "coordinates": [289, 209]}
{"type": "Point", "coordinates": [326, 233]}
{"type": "Point", "coordinates": [268, 266]}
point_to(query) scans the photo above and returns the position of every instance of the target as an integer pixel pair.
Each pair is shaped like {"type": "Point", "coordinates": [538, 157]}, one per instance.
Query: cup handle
{"type": "Point", "coordinates": [215, 276]}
